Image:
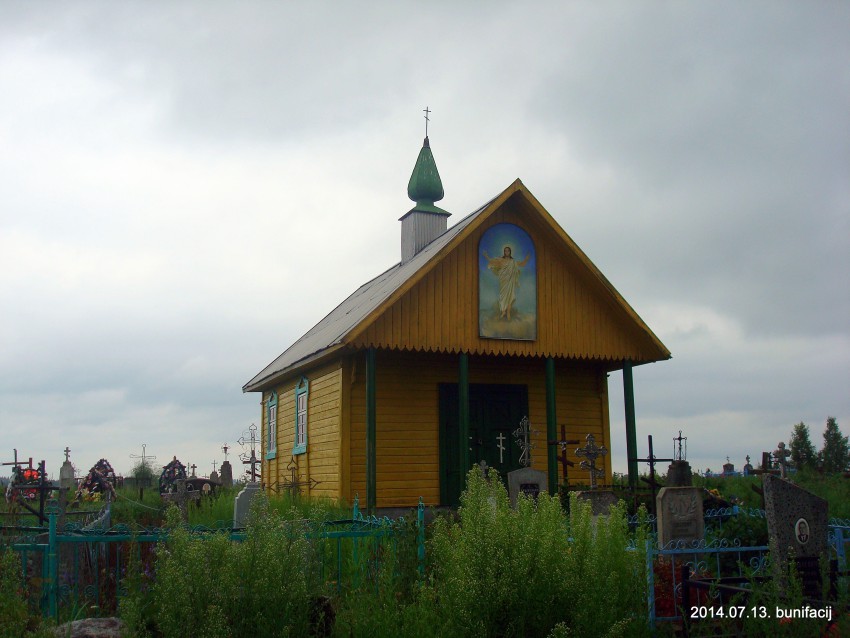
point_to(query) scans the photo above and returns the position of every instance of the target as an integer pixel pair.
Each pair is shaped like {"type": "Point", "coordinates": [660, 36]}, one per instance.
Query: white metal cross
{"type": "Point", "coordinates": [501, 446]}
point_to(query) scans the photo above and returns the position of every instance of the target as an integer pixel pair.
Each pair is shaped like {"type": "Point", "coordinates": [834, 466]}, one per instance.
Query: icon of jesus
{"type": "Point", "coordinates": [507, 269]}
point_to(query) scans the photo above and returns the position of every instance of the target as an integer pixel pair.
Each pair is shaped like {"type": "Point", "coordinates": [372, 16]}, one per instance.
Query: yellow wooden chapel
{"type": "Point", "coordinates": [430, 366]}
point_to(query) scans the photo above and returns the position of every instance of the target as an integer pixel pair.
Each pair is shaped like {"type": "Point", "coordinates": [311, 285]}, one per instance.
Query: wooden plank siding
{"type": "Point", "coordinates": [324, 417]}
{"type": "Point", "coordinates": [577, 317]}
{"type": "Point", "coordinates": [407, 432]}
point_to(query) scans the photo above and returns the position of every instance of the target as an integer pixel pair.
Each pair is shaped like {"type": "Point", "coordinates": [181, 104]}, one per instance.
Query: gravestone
{"type": "Point", "coordinates": [214, 476]}
{"type": "Point", "coordinates": [680, 515]}
{"type": "Point", "coordinates": [242, 505]}
{"type": "Point", "coordinates": [797, 526]}
{"type": "Point", "coordinates": [600, 501]}
{"type": "Point", "coordinates": [526, 481]}
{"type": "Point", "coordinates": [66, 473]}
{"type": "Point", "coordinates": [679, 474]}
{"type": "Point", "coordinates": [226, 477]}
{"type": "Point", "coordinates": [180, 498]}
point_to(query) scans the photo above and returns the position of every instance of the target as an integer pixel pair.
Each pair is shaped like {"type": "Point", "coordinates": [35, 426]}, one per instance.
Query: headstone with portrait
{"type": "Point", "coordinates": [797, 525]}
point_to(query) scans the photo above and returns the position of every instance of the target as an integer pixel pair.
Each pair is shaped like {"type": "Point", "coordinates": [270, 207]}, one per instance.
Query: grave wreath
{"type": "Point", "coordinates": [171, 473]}
{"type": "Point", "coordinates": [99, 480]}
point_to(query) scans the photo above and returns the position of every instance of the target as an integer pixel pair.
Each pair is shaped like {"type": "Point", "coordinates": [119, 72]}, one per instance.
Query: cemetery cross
{"type": "Point", "coordinates": [523, 437]}
{"type": "Point", "coordinates": [251, 460]}
{"type": "Point", "coordinates": [591, 452]}
{"type": "Point", "coordinates": [563, 443]}
{"type": "Point", "coordinates": [293, 485]}
{"type": "Point", "coordinates": [781, 455]}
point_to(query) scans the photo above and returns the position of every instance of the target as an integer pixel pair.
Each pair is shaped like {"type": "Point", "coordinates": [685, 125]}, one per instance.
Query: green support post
{"type": "Point", "coordinates": [420, 538]}
{"type": "Point", "coordinates": [371, 473]}
{"type": "Point", "coordinates": [52, 562]}
{"type": "Point", "coordinates": [463, 416]}
{"type": "Point", "coordinates": [631, 428]}
{"type": "Point", "coordinates": [551, 426]}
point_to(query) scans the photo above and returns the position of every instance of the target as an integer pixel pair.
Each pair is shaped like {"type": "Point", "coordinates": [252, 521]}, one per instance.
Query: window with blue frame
{"type": "Point", "coordinates": [271, 425]}
{"type": "Point", "coordinates": [301, 394]}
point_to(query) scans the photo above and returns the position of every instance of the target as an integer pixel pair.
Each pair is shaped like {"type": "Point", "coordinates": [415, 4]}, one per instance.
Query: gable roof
{"type": "Point", "coordinates": [358, 310]}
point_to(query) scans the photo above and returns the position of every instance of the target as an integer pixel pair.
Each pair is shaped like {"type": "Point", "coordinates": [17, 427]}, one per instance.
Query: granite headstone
{"type": "Point", "coordinates": [797, 523]}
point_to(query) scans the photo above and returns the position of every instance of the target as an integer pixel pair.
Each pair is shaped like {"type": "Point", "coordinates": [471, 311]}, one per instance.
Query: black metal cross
{"type": "Point", "coordinates": [678, 453]}
{"type": "Point", "coordinates": [426, 110]}
{"type": "Point", "coordinates": [293, 485]}
{"type": "Point", "coordinates": [214, 464]}
{"type": "Point", "coordinates": [251, 460]}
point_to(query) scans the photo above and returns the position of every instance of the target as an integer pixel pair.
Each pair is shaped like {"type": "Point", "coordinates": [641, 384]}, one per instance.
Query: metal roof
{"type": "Point", "coordinates": [331, 330]}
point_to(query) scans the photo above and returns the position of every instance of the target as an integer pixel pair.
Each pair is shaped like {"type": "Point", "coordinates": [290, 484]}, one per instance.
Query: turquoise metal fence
{"type": "Point", "coordinates": [79, 566]}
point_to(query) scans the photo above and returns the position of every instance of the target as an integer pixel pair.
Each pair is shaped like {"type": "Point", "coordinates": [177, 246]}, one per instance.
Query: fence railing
{"type": "Point", "coordinates": [716, 560]}
{"type": "Point", "coordinates": [87, 565]}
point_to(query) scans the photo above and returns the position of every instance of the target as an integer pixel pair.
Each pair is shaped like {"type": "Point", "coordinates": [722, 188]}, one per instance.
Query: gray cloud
{"type": "Point", "coordinates": [171, 172]}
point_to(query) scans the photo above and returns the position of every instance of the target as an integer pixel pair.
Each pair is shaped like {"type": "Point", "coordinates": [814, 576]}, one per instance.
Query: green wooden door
{"type": "Point", "coordinates": [495, 411]}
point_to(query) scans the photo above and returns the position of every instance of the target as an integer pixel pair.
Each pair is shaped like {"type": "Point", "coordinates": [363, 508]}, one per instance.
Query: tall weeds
{"type": "Point", "coordinates": [501, 571]}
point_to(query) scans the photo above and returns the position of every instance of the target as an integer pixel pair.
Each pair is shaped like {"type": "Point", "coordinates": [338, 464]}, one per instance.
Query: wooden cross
{"type": "Point", "coordinates": [43, 488]}
{"type": "Point", "coordinates": [426, 110]}
{"type": "Point", "coordinates": [563, 443]}
{"type": "Point", "coordinates": [17, 463]}
{"type": "Point", "coordinates": [591, 451]}
{"type": "Point", "coordinates": [523, 438]}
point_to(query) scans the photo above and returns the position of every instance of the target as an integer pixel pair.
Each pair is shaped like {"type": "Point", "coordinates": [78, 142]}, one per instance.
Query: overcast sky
{"type": "Point", "coordinates": [187, 187]}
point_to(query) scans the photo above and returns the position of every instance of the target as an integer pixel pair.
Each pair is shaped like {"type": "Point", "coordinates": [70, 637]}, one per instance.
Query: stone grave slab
{"type": "Point", "coordinates": [679, 474]}
{"type": "Point", "coordinates": [226, 476]}
{"type": "Point", "coordinates": [680, 515]}
{"type": "Point", "coordinates": [242, 505]}
{"type": "Point", "coordinates": [528, 481]}
{"type": "Point", "coordinates": [600, 501]}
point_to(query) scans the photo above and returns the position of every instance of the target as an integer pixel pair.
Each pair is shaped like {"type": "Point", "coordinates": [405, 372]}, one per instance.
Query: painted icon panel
{"type": "Point", "coordinates": [507, 284]}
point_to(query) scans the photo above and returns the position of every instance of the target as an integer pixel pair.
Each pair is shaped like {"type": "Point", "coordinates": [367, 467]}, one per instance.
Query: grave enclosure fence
{"type": "Point", "coordinates": [67, 569]}
{"type": "Point", "coordinates": [706, 572]}
{"type": "Point", "coordinates": [87, 568]}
